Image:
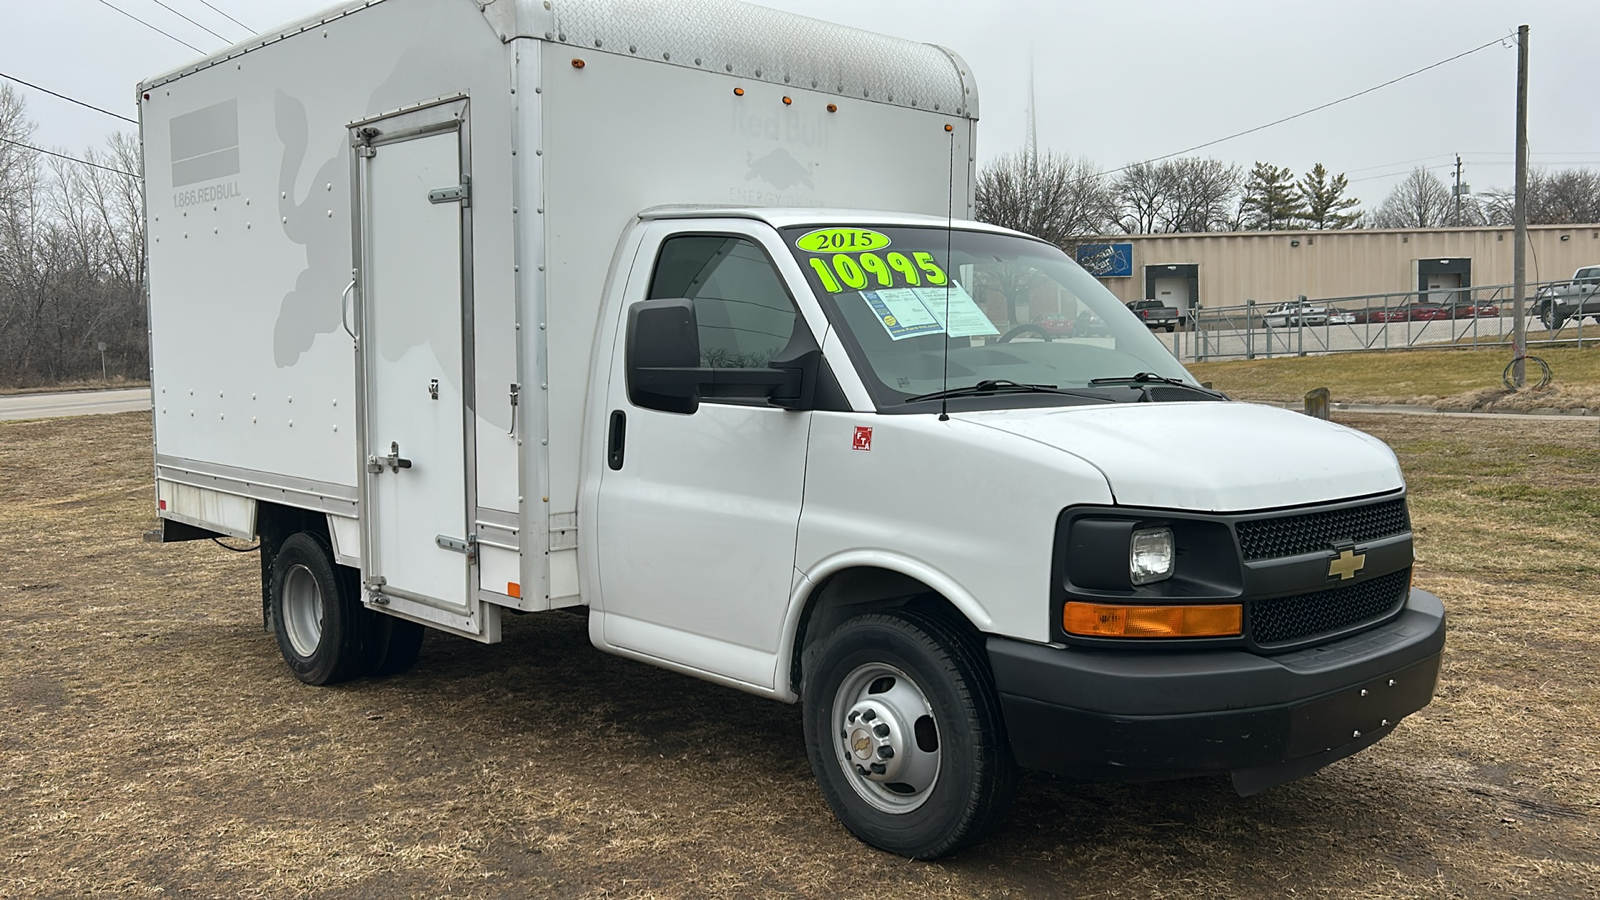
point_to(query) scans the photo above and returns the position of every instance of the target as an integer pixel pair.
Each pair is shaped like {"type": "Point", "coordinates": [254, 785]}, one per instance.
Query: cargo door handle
{"type": "Point", "coordinates": [344, 308]}
{"type": "Point", "coordinates": [616, 439]}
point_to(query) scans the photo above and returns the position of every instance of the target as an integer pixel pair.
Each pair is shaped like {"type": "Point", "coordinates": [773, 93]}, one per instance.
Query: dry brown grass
{"type": "Point", "coordinates": [1442, 379]}
{"type": "Point", "coordinates": [152, 742]}
{"type": "Point", "coordinates": [114, 383]}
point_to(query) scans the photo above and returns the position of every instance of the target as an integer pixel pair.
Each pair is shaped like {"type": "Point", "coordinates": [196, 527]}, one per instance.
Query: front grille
{"type": "Point", "coordinates": [1284, 619]}
{"type": "Point", "coordinates": [1311, 532]}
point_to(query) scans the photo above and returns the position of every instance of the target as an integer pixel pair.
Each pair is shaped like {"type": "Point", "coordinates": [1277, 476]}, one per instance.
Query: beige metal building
{"type": "Point", "coordinates": [1227, 269]}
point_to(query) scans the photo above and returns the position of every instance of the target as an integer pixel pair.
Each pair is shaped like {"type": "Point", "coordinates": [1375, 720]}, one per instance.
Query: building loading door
{"type": "Point", "coordinates": [414, 243]}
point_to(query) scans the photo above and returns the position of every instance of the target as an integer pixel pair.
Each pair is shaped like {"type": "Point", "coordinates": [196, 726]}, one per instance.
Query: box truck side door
{"type": "Point", "coordinates": [414, 361]}
{"type": "Point", "coordinates": [698, 511]}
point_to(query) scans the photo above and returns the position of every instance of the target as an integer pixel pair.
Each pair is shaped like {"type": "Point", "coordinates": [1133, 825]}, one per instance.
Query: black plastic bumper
{"type": "Point", "coordinates": [1150, 715]}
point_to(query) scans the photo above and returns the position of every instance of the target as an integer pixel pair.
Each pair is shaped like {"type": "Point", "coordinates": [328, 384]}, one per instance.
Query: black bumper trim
{"type": "Point", "coordinates": [1144, 715]}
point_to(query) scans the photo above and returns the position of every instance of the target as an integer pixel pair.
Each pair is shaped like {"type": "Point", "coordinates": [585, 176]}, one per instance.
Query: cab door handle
{"type": "Point", "coordinates": [616, 439]}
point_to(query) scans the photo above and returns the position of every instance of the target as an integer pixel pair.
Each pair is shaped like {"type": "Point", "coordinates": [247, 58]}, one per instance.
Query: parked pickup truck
{"type": "Point", "coordinates": [1560, 303]}
{"type": "Point", "coordinates": [1155, 314]}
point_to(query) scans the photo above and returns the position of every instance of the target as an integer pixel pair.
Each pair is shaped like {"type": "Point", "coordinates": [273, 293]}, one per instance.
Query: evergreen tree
{"type": "Point", "coordinates": [1271, 199]}
{"type": "Point", "coordinates": [1324, 200]}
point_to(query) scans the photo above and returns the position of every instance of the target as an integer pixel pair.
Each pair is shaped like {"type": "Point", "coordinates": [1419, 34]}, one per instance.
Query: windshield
{"type": "Point", "coordinates": [1007, 309]}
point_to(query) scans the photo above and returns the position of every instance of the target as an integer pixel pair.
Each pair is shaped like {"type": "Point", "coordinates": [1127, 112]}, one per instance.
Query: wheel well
{"type": "Point", "coordinates": [851, 592]}
{"type": "Point", "coordinates": [274, 525]}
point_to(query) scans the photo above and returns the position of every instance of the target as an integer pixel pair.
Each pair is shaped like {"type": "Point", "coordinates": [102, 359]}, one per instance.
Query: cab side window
{"type": "Point", "coordinates": [745, 314]}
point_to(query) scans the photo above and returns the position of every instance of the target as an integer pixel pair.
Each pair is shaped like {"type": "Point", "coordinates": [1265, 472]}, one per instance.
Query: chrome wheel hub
{"type": "Point", "coordinates": [888, 743]}
{"type": "Point", "coordinates": [302, 610]}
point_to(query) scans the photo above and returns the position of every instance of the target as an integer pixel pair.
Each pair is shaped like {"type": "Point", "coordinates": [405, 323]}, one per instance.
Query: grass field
{"type": "Point", "coordinates": [1445, 379]}
{"type": "Point", "coordinates": [152, 742]}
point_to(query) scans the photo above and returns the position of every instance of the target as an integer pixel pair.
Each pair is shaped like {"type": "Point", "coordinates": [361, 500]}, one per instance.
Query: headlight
{"type": "Point", "coordinates": [1150, 555]}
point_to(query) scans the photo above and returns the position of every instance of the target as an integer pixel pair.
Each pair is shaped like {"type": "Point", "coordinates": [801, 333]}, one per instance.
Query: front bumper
{"type": "Point", "coordinates": [1132, 715]}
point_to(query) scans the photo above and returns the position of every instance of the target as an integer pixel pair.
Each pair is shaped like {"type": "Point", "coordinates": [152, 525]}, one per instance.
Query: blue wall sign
{"type": "Point", "coordinates": [1107, 260]}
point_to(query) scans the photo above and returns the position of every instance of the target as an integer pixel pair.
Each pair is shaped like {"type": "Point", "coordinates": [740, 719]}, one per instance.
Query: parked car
{"type": "Point", "coordinates": [1382, 314]}
{"type": "Point", "coordinates": [1155, 314]}
{"type": "Point", "coordinates": [1288, 315]}
{"type": "Point", "coordinates": [1055, 324]}
{"type": "Point", "coordinates": [1473, 310]}
{"type": "Point", "coordinates": [1426, 312]}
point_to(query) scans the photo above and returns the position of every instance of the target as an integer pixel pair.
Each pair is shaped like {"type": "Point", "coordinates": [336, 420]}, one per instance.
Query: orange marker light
{"type": "Point", "coordinates": [1101, 620]}
{"type": "Point", "coordinates": [787, 101]}
{"type": "Point", "coordinates": [832, 108]}
{"type": "Point", "coordinates": [513, 589]}
{"type": "Point", "coordinates": [577, 64]}
{"type": "Point", "coordinates": [738, 92]}
{"type": "Point", "coordinates": [949, 128]}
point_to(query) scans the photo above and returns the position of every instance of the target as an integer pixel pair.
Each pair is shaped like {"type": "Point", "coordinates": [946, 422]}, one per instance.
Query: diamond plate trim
{"type": "Point", "coordinates": [754, 42]}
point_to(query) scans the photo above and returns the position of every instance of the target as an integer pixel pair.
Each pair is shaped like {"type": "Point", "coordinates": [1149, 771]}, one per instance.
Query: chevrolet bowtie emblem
{"type": "Point", "coordinates": [1346, 565]}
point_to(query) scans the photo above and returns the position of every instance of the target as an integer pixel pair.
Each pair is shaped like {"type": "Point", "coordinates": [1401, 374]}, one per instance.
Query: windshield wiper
{"type": "Point", "coordinates": [1141, 378]}
{"type": "Point", "coordinates": [1002, 386]}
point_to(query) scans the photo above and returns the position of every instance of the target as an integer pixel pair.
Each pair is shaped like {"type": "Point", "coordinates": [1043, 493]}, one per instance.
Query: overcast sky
{"type": "Point", "coordinates": [1116, 82]}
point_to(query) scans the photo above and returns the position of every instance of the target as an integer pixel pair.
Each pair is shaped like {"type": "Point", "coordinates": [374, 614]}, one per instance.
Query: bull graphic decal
{"type": "Point", "coordinates": [779, 169]}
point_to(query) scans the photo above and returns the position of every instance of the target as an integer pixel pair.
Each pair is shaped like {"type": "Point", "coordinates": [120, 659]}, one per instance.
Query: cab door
{"type": "Point", "coordinates": [698, 512]}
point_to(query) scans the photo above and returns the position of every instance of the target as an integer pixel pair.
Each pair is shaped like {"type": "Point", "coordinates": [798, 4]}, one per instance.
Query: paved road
{"type": "Point", "coordinates": [72, 403]}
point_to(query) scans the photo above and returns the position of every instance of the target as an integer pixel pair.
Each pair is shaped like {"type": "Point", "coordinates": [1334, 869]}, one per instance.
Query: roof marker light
{"type": "Point", "coordinates": [738, 92]}
{"type": "Point", "coordinates": [578, 64]}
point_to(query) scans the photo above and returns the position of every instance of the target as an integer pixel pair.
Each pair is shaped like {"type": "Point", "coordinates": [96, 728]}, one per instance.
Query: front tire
{"type": "Point", "coordinates": [905, 734]}
{"type": "Point", "coordinates": [316, 616]}
{"type": "Point", "coordinates": [1552, 319]}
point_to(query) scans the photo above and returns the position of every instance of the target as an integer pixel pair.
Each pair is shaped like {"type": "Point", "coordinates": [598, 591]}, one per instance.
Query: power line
{"type": "Point", "coordinates": [229, 18]}
{"type": "Point", "coordinates": [151, 27]}
{"type": "Point", "coordinates": [192, 22]}
{"type": "Point", "coordinates": [68, 99]}
{"type": "Point", "coordinates": [1498, 40]}
{"type": "Point", "coordinates": [64, 156]}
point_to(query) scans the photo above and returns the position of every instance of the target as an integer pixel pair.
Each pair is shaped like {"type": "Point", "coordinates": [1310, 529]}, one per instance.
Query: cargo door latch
{"type": "Point", "coordinates": [461, 193]}
{"type": "Point", "coordinates": [468, 546]}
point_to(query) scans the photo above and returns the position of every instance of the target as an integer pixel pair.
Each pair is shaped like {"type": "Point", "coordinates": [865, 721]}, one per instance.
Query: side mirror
{"type": "Point", "coordinates": [664, 371]}
{"type": "Point", "coordinates": [663, 355]}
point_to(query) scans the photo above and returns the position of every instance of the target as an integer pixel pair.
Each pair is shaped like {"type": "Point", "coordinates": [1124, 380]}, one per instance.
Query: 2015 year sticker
{"type": "Point", "coordinates": [842, 240]}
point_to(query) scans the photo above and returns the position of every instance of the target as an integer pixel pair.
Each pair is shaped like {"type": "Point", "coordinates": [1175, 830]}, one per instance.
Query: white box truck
{"type": "Point", "coordinates": [465, 306]}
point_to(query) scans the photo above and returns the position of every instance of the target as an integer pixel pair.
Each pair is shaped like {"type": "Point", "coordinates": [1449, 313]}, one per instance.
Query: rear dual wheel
{"type": "Point", "coordinates": [324, 632]}
{"type": "Point", "coordinates": [905, 734]}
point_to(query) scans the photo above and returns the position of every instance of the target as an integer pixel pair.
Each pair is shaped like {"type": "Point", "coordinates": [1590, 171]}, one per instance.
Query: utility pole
{"type": "Point", "coordinates": [1519, 254]}
{"type": "Point", "coordinates": [1458, 190]}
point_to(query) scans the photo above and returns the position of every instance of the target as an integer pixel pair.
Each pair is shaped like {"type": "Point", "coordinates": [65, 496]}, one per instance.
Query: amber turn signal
{"type": "Point", "coordinates": [1100, 620]}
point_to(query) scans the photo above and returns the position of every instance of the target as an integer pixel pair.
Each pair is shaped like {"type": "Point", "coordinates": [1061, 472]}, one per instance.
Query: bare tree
{"type": "Point", "coordinates": [1052, 197]}
{"type": "Point", "coordinates": [1420, 201]}
{"type": "Point", "coordinates": [71, 257]}
{"type": "Point", "coordinates": [1565, 197]}
{"type": "Point", "coordinates": [1179, 195]}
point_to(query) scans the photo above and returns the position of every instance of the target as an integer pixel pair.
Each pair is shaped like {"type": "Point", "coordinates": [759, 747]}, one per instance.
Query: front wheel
{"type": "Point", "coordinates": [905, 734]}
{"type": "Point", "coordinates": [1551, 317]}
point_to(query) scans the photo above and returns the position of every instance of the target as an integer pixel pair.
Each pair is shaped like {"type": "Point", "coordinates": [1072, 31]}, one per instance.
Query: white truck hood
{"type": "Point", "coordinates": [1210, 456]}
